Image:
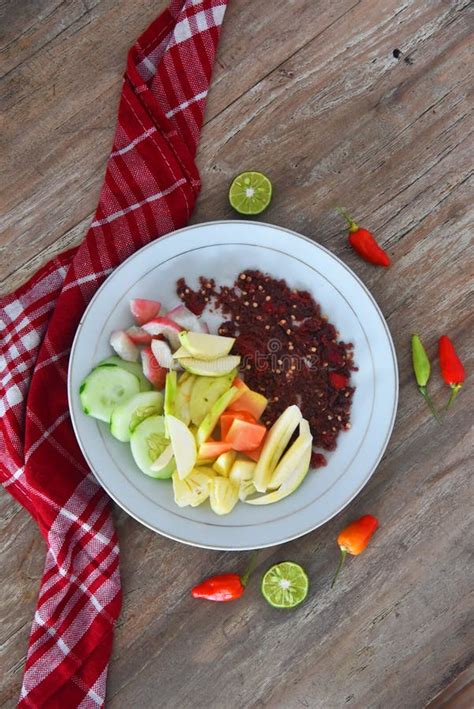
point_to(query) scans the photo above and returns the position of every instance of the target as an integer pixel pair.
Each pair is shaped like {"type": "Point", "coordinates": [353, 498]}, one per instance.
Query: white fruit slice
{"type": "Point", "coordinates": [123, 346]}
{"type": "Point", "coordinates": [275, 443]}
{"type": "Point", "coordinates": [195, 489]}
{"type": "Point", "coordinates": [206, 347]}
{"type": "Point", "coordinates": [224, 496]}
{"type": "Point", "coordinates": [292, 457]}
{"type": "Point", "coordinates": [163, 460]}
{"type": "Point", "coordinates": [163, 354]}
{"type": "Point", "coordinates": [184, 445]}
{"type": "Point", "coordinates": [216, 368]}
{"type": "Point", "coordinates": [242, 471]}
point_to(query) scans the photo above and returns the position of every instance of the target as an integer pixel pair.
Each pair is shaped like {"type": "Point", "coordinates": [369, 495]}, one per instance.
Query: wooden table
{"type": "Point", "coordinates": [311, 93]}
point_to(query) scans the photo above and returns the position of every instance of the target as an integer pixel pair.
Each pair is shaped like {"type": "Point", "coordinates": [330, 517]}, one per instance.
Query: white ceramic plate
{"type": "Point", "coordinates": [222, 250]}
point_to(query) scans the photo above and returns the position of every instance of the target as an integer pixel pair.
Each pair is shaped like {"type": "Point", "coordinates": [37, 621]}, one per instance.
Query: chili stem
{"type": "Point", "coordinates": [250, 568]}
{"type": "Point", "coordinates": [455, 389]}
{"type": "Point", "coordinates": [342, 558]}
{"type": "Point", "coordinates": [424, 392]}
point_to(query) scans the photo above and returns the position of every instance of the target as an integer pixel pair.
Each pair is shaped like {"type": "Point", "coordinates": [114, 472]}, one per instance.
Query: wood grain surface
{"type": "Point", "coordinates": [310, 92]}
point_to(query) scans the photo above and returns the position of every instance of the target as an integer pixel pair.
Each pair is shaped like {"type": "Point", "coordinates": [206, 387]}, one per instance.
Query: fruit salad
{"type": "Point", "coordinates": [173, 392]}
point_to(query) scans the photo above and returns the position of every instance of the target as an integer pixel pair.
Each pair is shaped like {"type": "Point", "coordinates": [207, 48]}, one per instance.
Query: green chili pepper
{"type": "Point", "coordinates": [422, 369]}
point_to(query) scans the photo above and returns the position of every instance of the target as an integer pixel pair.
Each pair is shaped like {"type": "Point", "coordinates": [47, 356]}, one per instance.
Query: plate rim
{"type": "Point", "coordinates": [311, 242]}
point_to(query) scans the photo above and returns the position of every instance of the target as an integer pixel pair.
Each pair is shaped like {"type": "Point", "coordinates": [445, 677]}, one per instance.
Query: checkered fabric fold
{"type": "Point", "coordinates": [150, 188]}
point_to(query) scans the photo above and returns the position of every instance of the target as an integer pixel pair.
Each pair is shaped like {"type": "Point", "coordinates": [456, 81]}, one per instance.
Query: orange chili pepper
{"type": "Point", "coordinates": [452, 368]}
{"type": "Point", "coordinates": [354, 538]}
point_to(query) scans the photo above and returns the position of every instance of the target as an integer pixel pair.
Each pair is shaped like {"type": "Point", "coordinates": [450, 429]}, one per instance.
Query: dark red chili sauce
{"type": "Point", "coordinates": [290, 352]}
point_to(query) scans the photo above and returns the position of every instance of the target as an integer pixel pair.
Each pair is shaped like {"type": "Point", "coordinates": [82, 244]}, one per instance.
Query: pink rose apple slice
{"type": "Point", "coordinates": [152, 370]}
{"type": "Point", "coordinates": [184, 317]}
{"type": "Point", "coordinates": [144, 310]}
{"type": "Point", "coordinates": [166, 327]}
{"type": "Point", "coordinates": [138, 335]}
{"type": "Point", "coordinates": [123, 346]}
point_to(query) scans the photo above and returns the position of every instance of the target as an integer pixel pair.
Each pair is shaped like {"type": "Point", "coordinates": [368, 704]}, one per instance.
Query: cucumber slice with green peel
{"type": "Point", "coordinates": [148, 442]}
{"type": "Point", "coordinates": [104, 389]}
{"type": "Point", "coordinates": [128, 416]}
{"type": "Point", "coordinates": [132, 367]}
{"type": "Point", "coordinates": [206, 391]}
{"type": "Point", "coordinates": [216, 368]}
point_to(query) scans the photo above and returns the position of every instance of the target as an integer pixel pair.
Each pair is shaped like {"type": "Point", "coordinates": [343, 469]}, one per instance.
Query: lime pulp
{"type": "Point", "coordinates": [285, 585]}
{"type": "Point", "coordinates": [250, 193]}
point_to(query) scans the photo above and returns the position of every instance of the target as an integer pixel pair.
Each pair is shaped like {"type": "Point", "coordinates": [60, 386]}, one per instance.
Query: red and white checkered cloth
{"type": "Point", "coordinates": [150, 188]}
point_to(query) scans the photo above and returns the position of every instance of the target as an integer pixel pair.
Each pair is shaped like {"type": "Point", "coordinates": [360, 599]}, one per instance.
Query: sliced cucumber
{"type": "Point", "coordinates": [106, 388]}
{"type": "Point", "coordinates": [205, 393]}
{"type": "Point", "coordinates": [128, 416]}
{"type": "Point", "coordinates": [132, 367]}
{"type": "Point", "coordinates": [148, 441]}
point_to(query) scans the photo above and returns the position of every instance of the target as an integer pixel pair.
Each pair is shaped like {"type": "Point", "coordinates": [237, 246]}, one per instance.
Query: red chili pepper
{"type": "Point", "coordinates": [363, 241]}
{"type": "Point", "coordinates": [338, 381]}
{"type": "Point", "coordinates": [452, 368]}
{"type": "Point", "coordinates": [354, 538]}
{"type": "Point", "coordinates": [224, 587]}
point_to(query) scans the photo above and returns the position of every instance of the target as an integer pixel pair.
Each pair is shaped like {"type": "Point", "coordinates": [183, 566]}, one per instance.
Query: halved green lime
{"type": "Point", "coordinates": [285, 585]}
{"type": "Point", "coordinates": [250, 193]}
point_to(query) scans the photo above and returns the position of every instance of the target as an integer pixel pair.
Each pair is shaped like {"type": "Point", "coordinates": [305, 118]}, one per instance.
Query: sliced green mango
{"type": "Point", "coordinates": [171, 386]}
{"type": "Point", "coordinates": [216, 368]}
{"type": "Point", "coordinates": [205, 392]}
{"type": "Point", "coordinates": [274, 445]}
{"type": "Point", "coordinates": [209, 422]}
{"type": "Point", "coordinates": [292, 457]}
{"type": "Point", "coordinates": [183, 397]}
{"type": "Point", "coordinates": [290, 484]}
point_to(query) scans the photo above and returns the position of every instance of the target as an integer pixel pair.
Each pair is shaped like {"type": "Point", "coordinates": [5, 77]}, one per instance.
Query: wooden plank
{"type": "Point", "coordinates": [314, 97]}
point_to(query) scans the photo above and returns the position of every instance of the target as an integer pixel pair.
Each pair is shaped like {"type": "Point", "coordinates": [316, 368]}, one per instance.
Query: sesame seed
{"type": "Point", "coordinates": [267, 327]}
{"type": "Point", "coordinates": [248, 367]}
{"type": "Point", "coordinates": [268, 297]}
{"type": "Point", "coordinates": [260, 288]}
{"type": "Point", "coordinates": [276, 398]}
{"type": "Point", "coordinates": [325, 364]}
{"type": "Point", "coordinates": [329, 417]}
{"type": "Point", "coordinates": [246, 303]}
{"type": "Point", "coordinates": [339, 418]}
{"type": "Point", "coordinates": [255, 305]}
{"type": "Point", "coordinates": [293, 317]}
{"type": "Point", "coordinates": [290, 346]}
{"type": "Point", "coordinates": [244, 292]}
{"type": "Point", "coordinates": [293, 367]}
{"type": "Point", "coordinates": [277, 371]}
{"type": "Point", "coordinates": [347, 394]}
{"type": "Point", "coordinates": [282, 322]}
{"type": "Point", "coordinates": [347, 426]}
{"type": "Point", "coordinates": [186, 290]}
{"type": "Point", "coordinates": [279, 361]}
{"type": "Point", "coordinates": [294, 306]}
{"type": "Point", "coordinates": [243, 276]}
{"type": "Point", "coordinates": [288, 332]}
{"type": "Point", "coordinates": [313, 349]}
